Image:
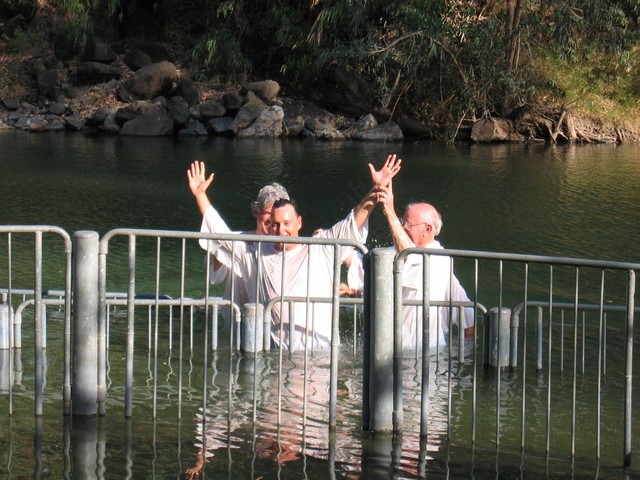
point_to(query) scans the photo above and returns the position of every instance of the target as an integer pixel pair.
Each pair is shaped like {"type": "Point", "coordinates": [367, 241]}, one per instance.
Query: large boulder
{"type": "Point", "coordinates": [268, 124]}
{"type": "Point", "coordinates": [148, 125]}
{"type": "Point", "coordinates": [315, 118]}
{"type": "Point", "coordinates": [494, 130]}
{"type": "Point", "coordinates": [248, 113]}
{"type": "Point", "coordinates": [267, 90]}
{"type": "Point", "coordinates": [387, 132]}
{"type": "Point", "coordinates": [149, 82]}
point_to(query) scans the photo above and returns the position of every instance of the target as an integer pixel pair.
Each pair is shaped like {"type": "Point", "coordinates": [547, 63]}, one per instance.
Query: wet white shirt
{"type": "Point", "coordinates": [308, 271]}
{"type": "Point", "coordinates": [440, 289]}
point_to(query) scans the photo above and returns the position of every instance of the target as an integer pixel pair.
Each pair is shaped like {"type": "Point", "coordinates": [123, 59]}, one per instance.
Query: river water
{"type": "Point", "coordinates": [562, 200]}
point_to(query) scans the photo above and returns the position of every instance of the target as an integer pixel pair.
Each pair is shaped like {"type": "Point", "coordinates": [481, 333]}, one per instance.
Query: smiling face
{"type": "Point", "coordinates": [263, 220]}
{"type": "Point", "coordinates": [285, 222]}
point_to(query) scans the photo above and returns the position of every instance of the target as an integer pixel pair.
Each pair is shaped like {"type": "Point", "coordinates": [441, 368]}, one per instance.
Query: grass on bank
{"type": "Point", "coordinates": [601, 87]}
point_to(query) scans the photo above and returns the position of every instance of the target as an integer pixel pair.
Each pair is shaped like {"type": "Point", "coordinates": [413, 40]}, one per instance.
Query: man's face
{"type": "Point", "coordinates": [285, 222]}
{"type": "Point", "coordinates": [263, 220]}
{"type": "Point", "coordinates": [415, 226]}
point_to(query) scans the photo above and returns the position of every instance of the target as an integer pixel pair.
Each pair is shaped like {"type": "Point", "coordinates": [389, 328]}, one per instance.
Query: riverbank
{"type": "Point", "coordinates": [140, 89]}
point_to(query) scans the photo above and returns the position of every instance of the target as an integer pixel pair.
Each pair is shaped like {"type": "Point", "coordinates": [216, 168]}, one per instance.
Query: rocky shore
{"type": "Point", "coordinates": [138, 89]}
{"type": "Point", "coordinates": [127, 91]}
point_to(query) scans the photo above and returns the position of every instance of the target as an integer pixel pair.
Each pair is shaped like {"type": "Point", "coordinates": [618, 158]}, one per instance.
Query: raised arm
{"type": "Point", "coordinates": [400, 237]}
{"type": "Point", "coordinates": [380, 178]}
{"type": "Point", "coordinates": [198, 184]}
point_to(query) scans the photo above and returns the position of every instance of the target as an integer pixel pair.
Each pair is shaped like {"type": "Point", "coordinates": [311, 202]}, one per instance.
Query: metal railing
{"type": "Point", "coordinates": [612, 286]}
{"type": "Point", "coordinates": [599, 296]}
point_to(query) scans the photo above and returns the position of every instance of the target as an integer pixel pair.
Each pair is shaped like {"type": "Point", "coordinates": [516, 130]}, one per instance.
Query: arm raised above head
{"type": "Point", "coordinates": [198, 184]}
{"type": "Point", "coordinates": [400, 237]}
{"type": "Point", "coordinates": [380, 178]}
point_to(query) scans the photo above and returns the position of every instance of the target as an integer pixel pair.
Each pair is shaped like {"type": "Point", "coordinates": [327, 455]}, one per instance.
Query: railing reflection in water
{"type": "Point", "coordinates": [277, 403]}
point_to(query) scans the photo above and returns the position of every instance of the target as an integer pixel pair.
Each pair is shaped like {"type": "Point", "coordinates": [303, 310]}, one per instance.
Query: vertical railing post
{"type": "Point", "coordinates": [84, 387]}
{"type": "Point", "coordinates": [499, 337]}
{"type": "Point", "coordinates": [380, 365]}
{"type": "Point", "coordinates": [251, 327]}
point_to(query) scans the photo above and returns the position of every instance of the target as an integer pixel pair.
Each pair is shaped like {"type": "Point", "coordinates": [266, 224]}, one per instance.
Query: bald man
{"type": "Point", "coordinates": [419, 227]}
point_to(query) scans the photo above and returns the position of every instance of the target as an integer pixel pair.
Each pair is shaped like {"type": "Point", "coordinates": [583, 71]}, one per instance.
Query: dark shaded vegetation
{"type": "Point", "coordinates": [445, 62]}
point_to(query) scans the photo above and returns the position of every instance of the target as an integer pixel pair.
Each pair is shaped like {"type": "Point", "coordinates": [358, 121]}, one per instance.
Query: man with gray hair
{"type": "Point", "coordinates": [218, 273]}
{"type": "Point", "coordinates": [419, 227]}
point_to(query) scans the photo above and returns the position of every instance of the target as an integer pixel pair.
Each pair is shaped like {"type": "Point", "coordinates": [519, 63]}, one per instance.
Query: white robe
{"type": "Point", "coordinates": [440, 289]}
{"type": "Point", "coordinates": [308, 270]}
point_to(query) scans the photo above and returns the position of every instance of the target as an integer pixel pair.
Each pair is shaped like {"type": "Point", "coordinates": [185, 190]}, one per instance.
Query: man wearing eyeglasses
{"type": "Point", "coordinates": [419, 227]}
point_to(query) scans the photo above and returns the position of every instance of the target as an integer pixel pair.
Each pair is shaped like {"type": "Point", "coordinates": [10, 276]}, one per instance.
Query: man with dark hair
{"type": "Point", "coordinates": [308, 269]}
{"type": "Point", "coordinates": [219, 273]}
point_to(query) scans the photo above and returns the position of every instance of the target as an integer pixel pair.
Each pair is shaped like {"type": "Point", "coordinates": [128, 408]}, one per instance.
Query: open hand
{"type": "Point", "coordinates": [198, 181]}
{"type": "Point", "coordinates": [389, 170]}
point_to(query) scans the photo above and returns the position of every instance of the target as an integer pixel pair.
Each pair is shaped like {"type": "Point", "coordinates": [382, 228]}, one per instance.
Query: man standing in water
{"type": "Point", "coordinates": [291, 269]}
{"type": "Point", "coordinates": [218, 273]}
{"type": "Point", "coordinates": [419, 227]}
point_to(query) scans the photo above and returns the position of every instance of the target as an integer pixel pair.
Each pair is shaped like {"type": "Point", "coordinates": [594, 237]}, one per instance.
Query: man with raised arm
{"type": "Point", "coordinates": [308, 269]}
{"type": "Point", "coordinates": [419, 227]}
{"type": "Point", "coordinates": [219, 273]}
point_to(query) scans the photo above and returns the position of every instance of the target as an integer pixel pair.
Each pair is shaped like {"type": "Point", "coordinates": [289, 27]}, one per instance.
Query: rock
{"type": "Point", "coordinates": [97, 50]}
{"type": "Point", "coordinates": [494, 129]}
{"type": "Point", "coordinates": [268, 124]}
{"type": "Point", "coordinates": [267, 90]}
{"type": "Point", "coordinates": [55, 126]}
{"type": "Point", "coordinates": [365, 123]}
{"type": "Point", "coordinates": [57, 108]}
{"type": "Point", "coordinates": [91, 73]}
{"type": "Point", "coordinates": [123, 115]}
{"type": "Point", "coordinates": [220, 126]}
{"type": "Point", "coordinates": [57, 94]}
{"type": "Point", "coordinates": [22, 122]}
{"type": "Point", "coordinates": [178, 111]}
{"type": "Point", "coordinates": [148, 124]}
{"type": "Point", "coordinates": [110, 125]}
{"type": "Point", "coordinates": [98, 117]}
{"type": "Point", "coordinates": [387, 132]}
{"type": "Point", "coordinates": [46, 80]}
{"type": "Point", "coordinates": [232, 102]}
{"type": "Point", "coordinates": [37, 126]}
{"type": "Point", "coordinates": [316, 119]}
{"type": "Point", "coordinates": [10, 103]}
{"type": "Point", "coordinates": [293, 126]}
{"type": "Point", "coordinates": [208, 110]}
{"type": "Point", "coordinates": [134, 110]}
{"type": "Point", "coordinates": [412, 127]}
{"type": "Point", "coordinates": [194, 127]}
{"type": "Point", "coordinates": [188, 90]}
{"type": "Point", "coordinates": [248, 113]}
{"type": "Point", "coordinates": [73, 122]}
{"type": "Point", "coordinates": [136, 59]}
{"type": "Point", "coordinates": [149, 82]}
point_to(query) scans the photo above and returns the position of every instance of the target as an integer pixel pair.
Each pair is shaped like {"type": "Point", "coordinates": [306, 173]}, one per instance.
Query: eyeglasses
{"type": "Point", "coordinates": [408, 225]}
